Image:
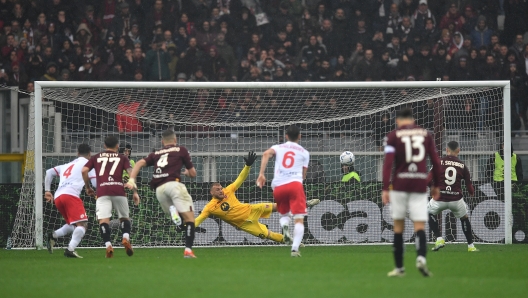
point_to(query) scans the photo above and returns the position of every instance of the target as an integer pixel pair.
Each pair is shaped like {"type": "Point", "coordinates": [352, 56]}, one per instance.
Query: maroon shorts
{"type": "Point", "coordinates": [290, 198]}
{"type": "Point", "coordinates": [71, 208]}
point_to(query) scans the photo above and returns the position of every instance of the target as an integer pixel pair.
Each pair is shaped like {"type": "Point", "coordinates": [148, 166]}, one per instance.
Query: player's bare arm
{"type": "Point", "coordinates": [261, 180]}
{"type": "Point", "coordinates": [50, 174]}
{"type": "Point", "coordinates": [191, 173]}
{"type": "Point", "coordinates": [87, 183]}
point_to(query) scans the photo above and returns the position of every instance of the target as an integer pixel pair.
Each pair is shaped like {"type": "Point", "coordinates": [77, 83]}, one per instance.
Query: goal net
{"type": "Point", "coordinates": [219, 123]}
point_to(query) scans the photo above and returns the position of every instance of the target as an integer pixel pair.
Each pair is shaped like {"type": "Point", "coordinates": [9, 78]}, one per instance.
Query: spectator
{"type": "Point", "coordinates": [109, 11]}
{"type": "Point", "coordinates": [518, 45]}
{"type": "Point", "coordinates": [452, 17]}
{"type": "Point", "coordinates": [313, 52]}
{"type": "Point", "coordinates": [282, 17]}
{"type": "Point", "coordinates": [83, 35]}
{"type": "Point", "coordinates": [324, 73]}
{"type": "Point", "coordinates": [253, 75]}
{"type": "Point", "coordinates": [356, 56]}
{"type": "Point", "coordinates": [226, 52]}
{"type": "Point", "coordinates": [92, 22]}
{"type": "Point", "coordinates": [181, 77]}
{"type": "Point", "coordinates": [395, 50]}
{"type": "Point", "coordinates": [156, 62]}
{"type": "Point", "coordinates": [393, 21]}
{"type": "Point", "coordinates": [174, 57]}
{"type": "Point", "coordinates": [213, 64]}
{"type": "Point", "coordinates": [198, 76]}
{"type": "Point", "coordinates": [11, 45]}
{"type": "Point", "coordinates": [368, 68]}
{"type": "Point", "coordinates": [66, 55]}
{"type": "Point", "coordinates": [243, 70]}
{"type": "Point", "coordinates": [122, 22]}
{"type": "Point", "coordinates": [181, 39]}
{"type": "Point", "coordinates": [64, 75]}
{"type": "Point", "coordinates": [461, 72]}
{"type": "Point", "coordinates": [515, 21]}
{"type": "Point", "coordinates": [408, 7]}
{"type": "Point", "coordinates": [441, 62]}
{"type": "Point", "coordinates": [304, 74]}
{"type": "Point", "coordinates": [495, 170]}
{"type": "Point", "coordinates": [491, 71]}
{"type": "Point", "coordinates": [205, 38]}
{"type": "Point", "coordinates": [331, 40]}
{"type": "Point", "coordinates": [190, 58]}
{"type": "Point", "coordinates": [421, 15]}
{"type": "Point", "coordinates": [471, 18]}
{"type": "Point", "coordinates": [361, 34]}
{"type": "Point", "coordinates": [51, 72]}
{"type": "Point", "coordinates": [410, 63]}
{"type": "Point", "coordinates": [117, 73]}
{"type": "Point", "coordinates": [16, 77]}
{"type": "Point", "coordinates": [86, 71]}
{"type": "Point", "coordinates": [481, 34]}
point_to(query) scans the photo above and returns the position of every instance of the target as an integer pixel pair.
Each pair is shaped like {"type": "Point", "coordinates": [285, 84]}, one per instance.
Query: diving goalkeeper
{"type": "Point", "coordinates": [243, 216]}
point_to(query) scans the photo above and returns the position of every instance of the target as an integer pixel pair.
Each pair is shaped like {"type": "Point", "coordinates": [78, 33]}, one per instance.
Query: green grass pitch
{"type": "Point", "coordinates": [338, 271]}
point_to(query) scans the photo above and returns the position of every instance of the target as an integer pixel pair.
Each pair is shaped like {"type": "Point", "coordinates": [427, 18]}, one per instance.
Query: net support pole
{"type": "Point", "coordinates": [508, 216]}
{"type": "Point", "coordinates": [37, 106]}
{"type": "Point", "coordinates": [57, 133]}
{"type": "Point", "coordinates": [15, 132]}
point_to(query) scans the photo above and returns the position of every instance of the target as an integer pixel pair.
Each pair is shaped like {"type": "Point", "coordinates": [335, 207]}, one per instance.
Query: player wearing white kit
{"type": "Point", "coordinates": [291, 164]}
{"type": "Point", "coordinates": [67, 200]}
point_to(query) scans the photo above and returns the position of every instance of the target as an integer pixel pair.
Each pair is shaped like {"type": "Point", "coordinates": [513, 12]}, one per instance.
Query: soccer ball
{"type": "Point", "coordinates": [347, 158]}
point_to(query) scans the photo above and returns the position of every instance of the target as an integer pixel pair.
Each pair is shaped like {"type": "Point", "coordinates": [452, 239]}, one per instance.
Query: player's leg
{"type": "Point", "coordinates": [77, 216]}
{"type": "Point", "coordinates": [459, 210]}
{"type": "Point", "coordinates": [434, 208]}
{"type": "Point", "coordinates": [103, 211]}
{"type": "Point", "coordinates": [255, 228]}
{"type": "Point", "coordinates": [164, 194]}
{"type": "Point", "coordinates": [77, 235]}
{"type": "Point", "coordinates": [299, 211]}
{"type": "Point", "coordinates": [65, 230]}
{"type": "Point", "coordinates": [398, 209]}
{"type": "Point", "coordinates": [182, 201]}
{"type": "Point", "coordinates": [120, 204]}
{"type": "Point", "coordinates": [418, 214]}
{"type": "Point", "coordinates": [280, 194]}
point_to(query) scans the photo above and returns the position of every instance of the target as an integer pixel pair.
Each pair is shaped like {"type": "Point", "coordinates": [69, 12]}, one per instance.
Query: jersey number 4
{"type": "Point", "coordinates": [414, 142]}
{"type": "Point", "coordinates": [105, 160]}
{"type": "Point", "coordinates": [162, 161]}
{"type": "Point", "coordinates": [67, 173]}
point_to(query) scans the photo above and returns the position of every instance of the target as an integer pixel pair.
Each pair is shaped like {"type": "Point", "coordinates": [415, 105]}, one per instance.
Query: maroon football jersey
{"type": "Point", "coordinates": [408, 147]}
{"type": "Point", "coordinates": [168, 163]}
{"type": "Point", "coordinates": [109, 167]}
{"type": "Point", "coordinates": [454, 171]}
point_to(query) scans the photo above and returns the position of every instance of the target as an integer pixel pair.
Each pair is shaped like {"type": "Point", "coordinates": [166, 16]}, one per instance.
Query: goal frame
{"type": "Point", "coordinates": [38, 114]}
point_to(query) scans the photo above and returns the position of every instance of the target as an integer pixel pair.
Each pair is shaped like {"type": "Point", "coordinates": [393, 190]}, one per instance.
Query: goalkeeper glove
{"type": "Point", "coordinates": [250, 159]}
{"type": "Point", "coordinates": [132, 182]}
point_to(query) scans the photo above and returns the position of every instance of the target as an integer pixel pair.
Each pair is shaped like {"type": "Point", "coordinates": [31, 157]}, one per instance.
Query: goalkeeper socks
{"type": "Point", "coordinates": [433, 224]}
{"type": "Point", "coordinates": [466, 228]}
{"type": "Point", "coordinates": [276, 237]}
{"type": "Point", "coordinates": [78, 233]}
{"type": "Point", "coordinates": [63, 231]}
{"type": "Point", "coordinates": [125, 228]}
{"type": "Point", "coordinates": [397, 249]}
{"type": "Point", "coordinates": [189, 235]}
{"type": "Point", "coordinates": [421, 243]}
{"type": "Point", "coordinates": [298, 233]}
{"type": "Point", "coordinates": [104, 228]}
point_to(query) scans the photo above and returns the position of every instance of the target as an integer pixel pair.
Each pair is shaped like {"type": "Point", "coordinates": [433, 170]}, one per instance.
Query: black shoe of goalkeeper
{"type": "Point", "coordinates": [71, 254]}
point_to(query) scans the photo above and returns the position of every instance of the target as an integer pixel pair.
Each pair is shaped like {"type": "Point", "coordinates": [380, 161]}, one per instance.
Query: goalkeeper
{"type": "Point", "coordinates": [243, 216]}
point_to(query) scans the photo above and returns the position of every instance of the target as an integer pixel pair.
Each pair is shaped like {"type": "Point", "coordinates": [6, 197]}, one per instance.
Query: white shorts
{"type": "Point", "coordinates": [105, 204]}
{"type": "Point", "coordinates": [458, 208]}
{"type": "Point", "coordinates": [413, 202]}
{"type": "Point", "coordinates": [174, 193]}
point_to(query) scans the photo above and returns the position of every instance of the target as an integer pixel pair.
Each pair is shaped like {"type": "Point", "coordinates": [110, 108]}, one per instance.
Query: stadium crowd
{"type": "Point", "coordinates": [266, 40]}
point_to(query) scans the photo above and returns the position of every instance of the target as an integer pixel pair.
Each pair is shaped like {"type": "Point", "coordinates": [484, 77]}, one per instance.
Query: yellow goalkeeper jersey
{"type": "Point", "coordinates": [229, 209]}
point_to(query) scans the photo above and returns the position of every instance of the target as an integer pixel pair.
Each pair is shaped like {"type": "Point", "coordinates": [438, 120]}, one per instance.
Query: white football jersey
{"type": "Point", "coordinates": [71, 180]}
{"type": "Point", "coordinates": [290, 160]}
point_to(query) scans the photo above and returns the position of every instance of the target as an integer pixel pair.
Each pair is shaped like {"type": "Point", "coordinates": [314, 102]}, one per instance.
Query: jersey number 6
{"type": "Point", "coordinates": [288, 159]}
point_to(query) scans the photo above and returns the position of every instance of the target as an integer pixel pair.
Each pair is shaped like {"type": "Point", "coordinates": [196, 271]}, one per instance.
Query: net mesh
{"type": "Point", "coordinates": [219, 127]}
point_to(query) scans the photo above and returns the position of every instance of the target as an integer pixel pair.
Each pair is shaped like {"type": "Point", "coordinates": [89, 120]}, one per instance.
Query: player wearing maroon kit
{"type": "Point", "coordinates": [170, 192]}
{"type": "Point", "coordinates": [451, 195]}
{"type": "Point", "coordinates": [407, 148]}
{"type": "Point", "coordinates": [109, 166]}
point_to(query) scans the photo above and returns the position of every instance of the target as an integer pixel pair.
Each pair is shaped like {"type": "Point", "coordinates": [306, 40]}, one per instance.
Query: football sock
{"type": "Point", "coordinates": [298, 233]}
{"type": "Point", "coordinates": [63, 231]}
{"type": "Point", "coordinates": [397, 249]}
{"type": "Point", "coordinates": [284, 220]}
{"type": "Point", "coordinates": [104, 228]}
{"type": "Point", "coordinates": [466, 228]}
{"type": "Point", "coordinates": [433, 224]}
{"type": "Point", "coordinates": [421, 243]}
{"type": "Point", "coordinates": [276, 237]}
{"type": "Point", "coordinates": [189, 235]}
{"type": "Point", "coordinates": [77, 235]}
{"type": "Point", "coordinates": [125, 228]}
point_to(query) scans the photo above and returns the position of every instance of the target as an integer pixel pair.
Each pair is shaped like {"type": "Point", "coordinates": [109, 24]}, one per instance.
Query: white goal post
{"type": "Point", "coordinates": [439, 87]}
